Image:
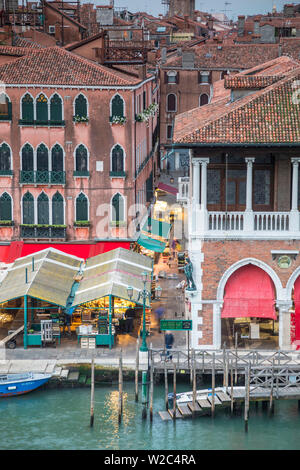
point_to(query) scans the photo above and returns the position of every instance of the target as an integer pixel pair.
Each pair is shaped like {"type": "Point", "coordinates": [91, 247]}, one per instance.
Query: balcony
{"type": "Point", "coordinates": [42, 231]}
{"type": "Point", "coordinates": [183, 189]}
{"type": "Point", "coordinates": [42, 177]}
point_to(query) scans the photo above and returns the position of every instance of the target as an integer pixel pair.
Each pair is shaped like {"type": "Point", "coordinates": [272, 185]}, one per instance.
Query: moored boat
{"type": "Point", "coordinates": [18, 384]}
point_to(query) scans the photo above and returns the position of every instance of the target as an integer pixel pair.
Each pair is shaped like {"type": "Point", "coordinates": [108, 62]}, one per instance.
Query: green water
{"type": "Point", "coordinates": [59, 419]}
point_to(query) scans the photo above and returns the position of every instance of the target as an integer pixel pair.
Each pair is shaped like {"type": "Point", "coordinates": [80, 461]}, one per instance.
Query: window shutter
{"type": "Point", "coordinates": [166, 77]}
{"type": "Point", "coordinates": [81, 158]}
{"type": "Point", "coordinates": [57, 158]}
{"type": "Point", "coordinates": [5, 157]}
{"type": "Point", "coordinates": [81, 106]}
{"type": "Point", "coordinates": [27, 108]}
{"type": "Point", "coordinates": [42, 158]}
{"type": "Point", "coordinates": [55, 108]}
{"type": "Point", "coordinates": [42, 108]}
{"type": "Point", "coordinates": [117, 163]}
{"type": "Point", "coordinates": [57, 209]}
{"type": "Point", "coordinates": [210, 77]}
{"type": "Point", "coordinates": [81, 208]}
{"type": "Point", "coordinates": [5, 207]}
{"type": "Point", "coordinates": [117, 106]}
{"type": "Point", "coordinates": [117, 208]}
{"type": "Point", "coordinates": [177, 78]}
{"type": "Point", "coordinates": [27, 158]}
{"type": "Point", "coordinates": [28, 209]}
{"type": "Point", "coordinates": [43, 209]}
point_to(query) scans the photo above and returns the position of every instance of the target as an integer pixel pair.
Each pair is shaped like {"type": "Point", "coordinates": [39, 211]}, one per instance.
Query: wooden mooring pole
{"type": "Point", "coordinates": [144, 394]}
{"type": "Point", "coordinates": [137, 370]}
{"type": "Point", "coordinates": [120, 405]}
{"type": "Point", "coordinates": [247, 385]}
{"type": "Point", "coordinates": [174, 393]}
{"type": "Point", "coordinates": [151, 391]}
{"type": "Point", "coordinates": [92, 393]}
{"type": "Point", "coordinates": [271, 404]}
{"type": "Point", "coordinates": [166, 387]}
{"type": "Point", "coordinates": [213, 386]}
{"type": "Point", "coordinates": [231, 388]}
{"type": "Point", "coordinates": [194, 385]}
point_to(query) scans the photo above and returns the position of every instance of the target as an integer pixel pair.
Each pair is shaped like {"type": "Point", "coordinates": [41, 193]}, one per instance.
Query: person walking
{"type": "Point", "coordinates": [169, 341]}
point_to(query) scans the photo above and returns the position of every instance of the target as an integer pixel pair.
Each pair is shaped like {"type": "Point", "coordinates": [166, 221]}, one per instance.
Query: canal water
{"type": "Point", "coordinates": [58, 419]}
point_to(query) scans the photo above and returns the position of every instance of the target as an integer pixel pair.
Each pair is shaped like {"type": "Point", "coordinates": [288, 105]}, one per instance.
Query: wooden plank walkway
{"type": "Point", "coordinates": [203, 404]}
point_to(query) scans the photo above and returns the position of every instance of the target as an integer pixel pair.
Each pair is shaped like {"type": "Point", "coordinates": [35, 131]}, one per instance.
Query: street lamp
{"type": "Point", "coordinates": [144, 295]}
{"type": "Point", "coordinates": [158, 292]}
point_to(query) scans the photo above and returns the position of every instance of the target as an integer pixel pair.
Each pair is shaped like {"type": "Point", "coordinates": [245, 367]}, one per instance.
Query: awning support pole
{"type": "Point", "coordinates": [109, 317]}
{"type": "Point", "coordinates": [25, 321]}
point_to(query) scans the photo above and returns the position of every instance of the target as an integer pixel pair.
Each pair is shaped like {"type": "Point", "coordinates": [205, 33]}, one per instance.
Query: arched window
{"type": "Point", "coordinates": [43, 209]}
{"type": "Point", "coordinates": [5, 107]}
{"type": "Point", "coordinates": [57, 209]}
{"type": "Point", "coordinates": [81, 158]}
{"type": "Point", "coordinates": [27, 108]}
{"type": "Point", "coordinates": [27, 158]}
{"type": "Point", "coordinates": [28, 208]}
{"type": "Point", "coordinates": [5, 158]}
{"type": "Point", "coordinates": [171, 102]}
{"type": "Point", "coordinates": [57, 158]}
{"type": "Point", "coordinates": [117, 159]}
{"type": "Point", "coordinates": [81, 106]}
{"type": "Point", "coordinates": [118, 209]}
{"type": "Point", "coordinates": [56, 108]}
{"type": "Point", "coordinates": [42, 108]}
{"type": "Point", "coordinates": [203, 99]}
{"type": "Point", "coordinates": [117, 106]}
{"type": "Point", "coordinates": [42, 163]}
{"type": "Point", "coordinates": [82, 208]}
{"type": "Point", "coordinates": [5, 207]}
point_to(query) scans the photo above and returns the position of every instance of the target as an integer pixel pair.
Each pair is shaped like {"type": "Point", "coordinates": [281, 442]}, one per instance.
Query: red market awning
{"type": "Point", "coordinates": [167, 188]}
{"type": "Point", "coordinates": [249, 292]}
{"type": "Point", "coordinates": [82, 250]}
{"type": "Point", "coordinates": [295, 318]}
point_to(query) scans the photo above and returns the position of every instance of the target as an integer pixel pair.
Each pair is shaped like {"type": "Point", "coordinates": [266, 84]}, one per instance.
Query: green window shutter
{"type": "Point", "coordinates": [55, 108]}
{"type": "Point", "coordinates": [28, 208]}
{"type": "Point", "coordinates": [57, 209]}
{"type": "Point", "coordinates": [81, 158]}
{"type": "Point", "coordinates": [57, 158]}
{"type": "Point", "coordinates": [117, 208]}
{"type": "Point", "coordinates": [5, 207]}
{"type": "Point", "coordinates": [81, 106]}
{"type": "Point", "coordinates": [27, 108]}
{"type": "Point", "coordinates": [42, 158]}
{"type": "Point", "coordinates": [5, 160]}
{"type": "Point", "coordinates": [27, 158]}
{"type": "Point", "coordinates": [117, 106]}
{"type": "Point", "coordinates": [43, 209]}
{"type": "Point", "coordinates": [42, 109]}
{"type": "Point", "coordinates": [81, 208]}
{"type": "Point", "coordinates": [117, 163]}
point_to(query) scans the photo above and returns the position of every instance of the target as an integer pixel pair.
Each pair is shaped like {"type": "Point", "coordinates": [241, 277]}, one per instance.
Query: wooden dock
{"type": "Point", "coordinates": [203, 405]}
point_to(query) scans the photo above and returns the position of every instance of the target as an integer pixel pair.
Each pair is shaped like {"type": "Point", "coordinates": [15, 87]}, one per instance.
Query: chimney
{"type": "Point", "coordinates": [256, 30]}
{"type": "Point", "coordinates": [179, 52]}
{"type": "Point", "coordinates": [163, 55]}
{"type": "Point", "coordinates": [188, 60]}
{"type": "Point", "coordinates": [241, 25]}
{"type": "Point", "coordinates": [142, 70]}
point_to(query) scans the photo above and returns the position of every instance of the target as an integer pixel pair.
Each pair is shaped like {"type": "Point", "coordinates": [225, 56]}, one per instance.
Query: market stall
{"type": "Point", "coordinates": [104, 290]}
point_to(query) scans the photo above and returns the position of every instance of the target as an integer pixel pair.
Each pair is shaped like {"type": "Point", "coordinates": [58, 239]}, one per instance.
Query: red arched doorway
{"type": "Point", "coordinates": [249, 318]}
{"type": "Point", "coordinates": [295, 316]}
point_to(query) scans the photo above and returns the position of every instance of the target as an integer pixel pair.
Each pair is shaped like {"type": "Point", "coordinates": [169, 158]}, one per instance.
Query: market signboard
{"type": "Point", "coordinates": [185, 325]}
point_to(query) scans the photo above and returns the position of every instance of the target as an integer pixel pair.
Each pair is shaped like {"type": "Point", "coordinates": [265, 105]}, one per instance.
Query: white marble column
{"type": "Point", "coordinates": [248, 217]}
{"type": "Point", "coordinates": [294, 216]}
{"type": "Point", "coordinates": [204, 162]}
{"type": "Point", "coordinates": [284, 324]}
{"type": "Point", "coordinates": [196, 182]}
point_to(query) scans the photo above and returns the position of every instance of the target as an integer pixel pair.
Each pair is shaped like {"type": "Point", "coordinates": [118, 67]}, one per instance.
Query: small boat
{"type": "Point", "coordinates": [18, 384]}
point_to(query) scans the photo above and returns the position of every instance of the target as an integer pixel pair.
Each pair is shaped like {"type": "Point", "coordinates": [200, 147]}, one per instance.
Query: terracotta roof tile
{"type": "Point", "coordinates": [56, 66]}
{"type": "Point", "coordinates": [267, 116]}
